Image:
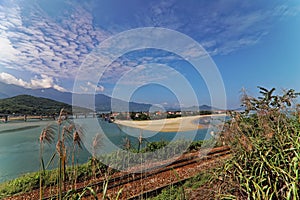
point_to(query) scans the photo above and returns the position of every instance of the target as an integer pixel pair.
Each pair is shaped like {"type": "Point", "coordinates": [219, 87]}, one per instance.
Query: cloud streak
{"type": "Point", "coordinates": [35, 83]}
{"type": "Point", "coordinates": [221, 27]}
{"type": "Point", "coordinates": [54, 46]}
{"type": "Point", "coordinates": [39, 44]}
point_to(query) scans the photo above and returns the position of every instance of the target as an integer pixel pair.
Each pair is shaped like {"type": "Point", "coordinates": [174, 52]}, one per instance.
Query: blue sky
{"type": "Point", "coordinates": [253, 43]}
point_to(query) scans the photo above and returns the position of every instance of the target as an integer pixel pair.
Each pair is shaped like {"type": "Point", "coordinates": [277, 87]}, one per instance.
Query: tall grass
{"type": "Point", "coordinates": [97, 143]}
{"type": "Point", "coordinates": [69, 138]}
{"type": "Point", "coordinates": [47, 136]}
{"type": "Point", "coordinates": [77, 144]}
{"type": "Point", "coordinates": [265, 141]}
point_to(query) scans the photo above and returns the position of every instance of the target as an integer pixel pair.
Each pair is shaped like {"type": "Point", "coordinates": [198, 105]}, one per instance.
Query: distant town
{"type": "Point", "coordinates": [112, 116]}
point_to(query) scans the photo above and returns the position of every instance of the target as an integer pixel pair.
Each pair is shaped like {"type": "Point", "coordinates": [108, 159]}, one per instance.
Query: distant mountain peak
{"type": "Point", "coordinates": [102, 101]}
{"type": "Point", "coordinates": [201, 108]}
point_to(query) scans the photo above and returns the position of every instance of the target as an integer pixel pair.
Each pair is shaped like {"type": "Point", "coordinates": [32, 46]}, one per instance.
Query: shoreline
{"type": "Point", "coordinates": [179, 124]}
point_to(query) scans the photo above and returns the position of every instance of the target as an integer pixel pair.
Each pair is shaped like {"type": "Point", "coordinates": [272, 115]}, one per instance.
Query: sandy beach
{"type": "Point", "coordinates": [166, 125]}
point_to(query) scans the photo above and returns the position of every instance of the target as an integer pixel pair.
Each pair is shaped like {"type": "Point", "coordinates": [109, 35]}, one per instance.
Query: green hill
{"type": "Point", "coordinates": [30, 105]}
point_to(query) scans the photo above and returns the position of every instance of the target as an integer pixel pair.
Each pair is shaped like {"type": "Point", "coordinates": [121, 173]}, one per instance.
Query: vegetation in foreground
{"type": "Point", "coordinates": [265, 143]}
{"type": "Point", "coordinates": [188, 189]}
{"type": "Point", "coordinates": [265, 162]}
{"type": "Point", "coordinates": [88, 171]}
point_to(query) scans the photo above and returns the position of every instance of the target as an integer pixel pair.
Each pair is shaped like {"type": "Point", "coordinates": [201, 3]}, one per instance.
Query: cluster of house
{"type": "Point", "coordinates": [112, 116]}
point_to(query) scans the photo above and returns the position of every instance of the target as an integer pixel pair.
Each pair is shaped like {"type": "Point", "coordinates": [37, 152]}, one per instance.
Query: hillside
{"type": "Point", "coordinates": [102, 102]}
{"type": "Point", "coordinates": [26, 104]}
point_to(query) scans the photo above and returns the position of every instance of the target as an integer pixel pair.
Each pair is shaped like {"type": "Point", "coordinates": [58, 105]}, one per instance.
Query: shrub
{"type": "Point", "coordinates": [265, 141]}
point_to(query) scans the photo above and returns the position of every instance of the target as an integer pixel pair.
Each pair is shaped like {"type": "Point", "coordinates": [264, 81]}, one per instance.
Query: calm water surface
{"type": "Point", "coordinates": [19, 143]}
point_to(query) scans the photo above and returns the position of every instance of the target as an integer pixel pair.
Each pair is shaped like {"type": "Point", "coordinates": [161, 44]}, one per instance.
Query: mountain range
{"type": "Point", "coordinates": [102, 102]}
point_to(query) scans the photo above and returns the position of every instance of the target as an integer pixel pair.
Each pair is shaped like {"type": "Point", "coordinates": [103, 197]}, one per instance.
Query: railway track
{"type": "Point", "coordinates": [175, 174]}
{"type": "Point", "coordinates": [115, 183]}
{"type": "Point", "coordinates": [137, 185]}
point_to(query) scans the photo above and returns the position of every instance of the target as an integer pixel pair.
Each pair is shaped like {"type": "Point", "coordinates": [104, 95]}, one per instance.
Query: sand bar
{"type": "Point", "coordinates": [166, 125]}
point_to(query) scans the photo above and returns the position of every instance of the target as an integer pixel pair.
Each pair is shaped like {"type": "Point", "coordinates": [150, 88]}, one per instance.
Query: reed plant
{"type": "Point", "coordinates": [97, 143]}
{"type": "Point", "coordinates": [68, 139]}
{"type": "Point", "coordinates": [46, 136]}
{"type": "Point", "coordinates": [265, 144]}
{"type": "Point", "coordinates": [77, 144]}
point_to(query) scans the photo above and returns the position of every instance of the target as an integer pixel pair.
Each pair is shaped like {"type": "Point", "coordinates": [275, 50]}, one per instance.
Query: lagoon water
{"type": "Point", "coordinates": [19, 143]}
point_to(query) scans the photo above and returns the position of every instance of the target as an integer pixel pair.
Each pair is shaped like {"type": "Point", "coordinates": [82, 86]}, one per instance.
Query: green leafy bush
{"type": "Point", "coordinates": [265, 141]}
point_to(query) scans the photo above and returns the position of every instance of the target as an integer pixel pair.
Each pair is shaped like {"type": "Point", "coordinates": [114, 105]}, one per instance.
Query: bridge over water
{"type": "Point", "coordinates": [7, 117]}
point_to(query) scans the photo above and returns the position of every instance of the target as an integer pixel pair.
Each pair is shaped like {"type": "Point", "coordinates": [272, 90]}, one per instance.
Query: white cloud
{"type": "Point", "coordinates": [45, 82]}
{"type": "Point", "coordinates": [89, 87]}
{"type": "Point", "coordinates": [100, 88]}
{"type": "Point", "coordinates": [84, 89]}
{"type": "Point", "coordinates": [10, 79]}
{"type": "Point", "coordinates": [220, 25]}
{"type": "Point", "coordinates": [36, 83]}
{"type": "Point", "coordinates": [95, 87]}
{"type": "Point", "coordinates": [56, 47]}
{"type": "Point", "coordinates": [44, 45]}
{"type": "Point", "coordinates": [9, 55]}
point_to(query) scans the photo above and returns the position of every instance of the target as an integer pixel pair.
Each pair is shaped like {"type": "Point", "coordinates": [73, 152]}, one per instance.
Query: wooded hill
{"type": "Point", "coordinates": [30, 105]}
